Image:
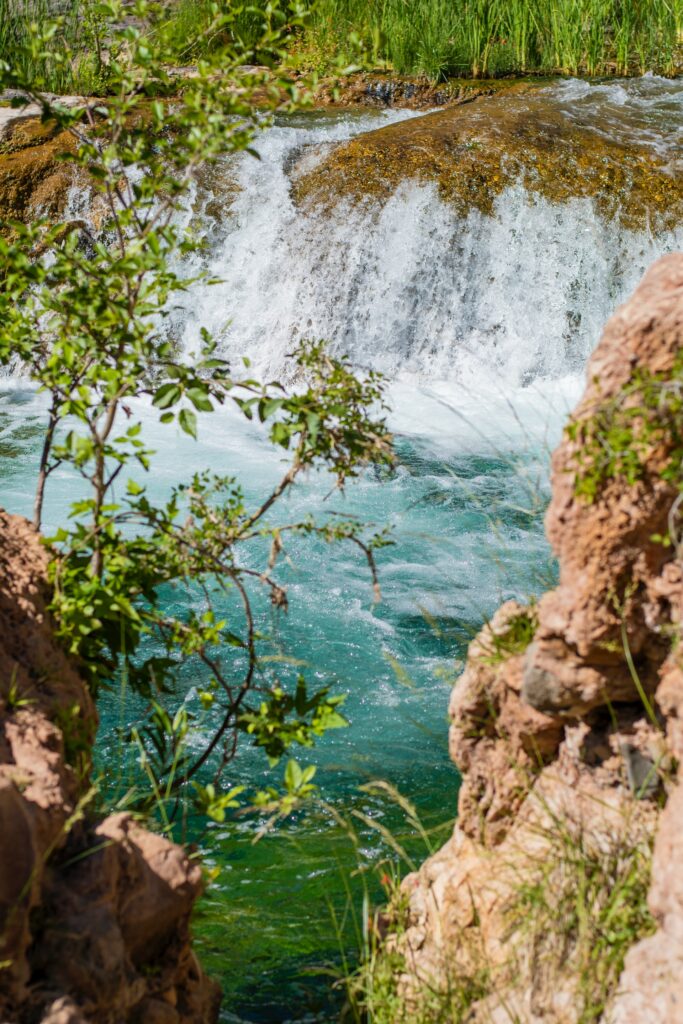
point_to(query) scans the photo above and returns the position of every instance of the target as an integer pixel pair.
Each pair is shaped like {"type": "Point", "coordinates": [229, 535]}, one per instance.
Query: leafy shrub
{"type": "Point", "coordinates": [86, 314]}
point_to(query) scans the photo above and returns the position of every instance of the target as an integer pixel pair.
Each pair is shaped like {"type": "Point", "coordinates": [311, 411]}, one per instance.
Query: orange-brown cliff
{"type": "Point", "coordinates": [94, 914]}
{"type": "Point", "coordinates": [567, 729]}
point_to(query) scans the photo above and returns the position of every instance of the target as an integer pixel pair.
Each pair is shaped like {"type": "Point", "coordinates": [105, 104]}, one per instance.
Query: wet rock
{"type": "Point", "coordinates": [33, 180]}
{"type": "Point", "coordinates": [472, 153]}
{"type": "Point", "coordinates": [63, 1011]}
{"type": "Point", "coordinates": [372, 89]}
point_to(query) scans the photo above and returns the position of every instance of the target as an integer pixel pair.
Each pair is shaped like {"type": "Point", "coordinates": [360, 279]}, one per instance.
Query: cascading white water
{"type": "Point", "coordinates": [410, 288]}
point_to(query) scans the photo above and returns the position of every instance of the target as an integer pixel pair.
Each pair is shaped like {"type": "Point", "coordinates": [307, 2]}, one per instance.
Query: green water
{"type": "Point", "coordinates": [468, 532]}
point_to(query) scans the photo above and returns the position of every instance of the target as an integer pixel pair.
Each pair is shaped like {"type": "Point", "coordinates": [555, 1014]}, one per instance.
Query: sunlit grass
{"type": "Point", "coordinates": [443, 38]}
{"type": "Point", "coordinates": [436, 38]}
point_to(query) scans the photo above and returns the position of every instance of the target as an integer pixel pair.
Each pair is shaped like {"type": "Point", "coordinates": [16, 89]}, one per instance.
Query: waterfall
{"type": "Point", "coordinates": [483, 324]}
{"type": "Point", "coordinates": [409, 287]}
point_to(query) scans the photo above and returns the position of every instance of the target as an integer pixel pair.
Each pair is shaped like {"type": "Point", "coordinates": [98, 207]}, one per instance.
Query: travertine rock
{"type": "Point", "coordinates": [557, 742]}
{"type": "Point", "coordinates": [38, 788]}
{"type": "Point", "coordinates": [472, 152]}
{"type": "Point", "coordinates": [497, 740]}
{"type": "Point", "coordinates": [94, 917]}
{"type": "Point", "coordinates": [464, 913]}
{"type": "Point", "coordinates": [651, 986]}
{"type": "Point", "coordinates": [33, 180]}
{"type": "Point", "coordinates": [611, 570]}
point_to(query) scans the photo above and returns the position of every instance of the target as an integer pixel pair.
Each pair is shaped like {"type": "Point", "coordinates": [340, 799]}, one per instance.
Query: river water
{"type": "Point", "coordinates": [483, 326]}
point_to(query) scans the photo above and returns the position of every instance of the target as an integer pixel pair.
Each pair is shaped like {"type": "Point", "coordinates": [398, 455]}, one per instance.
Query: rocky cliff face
{"type": "Point", "coordinates": [94, 913]}
{"type": "Point", "coordinates": [566, 727]}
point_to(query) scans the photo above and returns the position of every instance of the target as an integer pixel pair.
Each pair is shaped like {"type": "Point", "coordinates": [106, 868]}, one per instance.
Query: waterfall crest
{"type": "Point", "coordinates": [410, 286]}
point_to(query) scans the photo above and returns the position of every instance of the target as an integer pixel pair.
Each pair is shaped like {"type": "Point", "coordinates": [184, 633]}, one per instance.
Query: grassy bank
{"type": "Point", "coordinates": [15, 22]}
{"type": "Point", "coordinates": [442, 38]}
{"type": "Point", "coordinates": [478, 38]}
{"type": "Point", "coordinates": [436, 38]}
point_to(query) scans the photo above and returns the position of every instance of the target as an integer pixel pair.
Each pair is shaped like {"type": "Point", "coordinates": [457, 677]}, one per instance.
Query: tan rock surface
{"type": "Point", "coordinates": [496, 740]}
{"type": "Point", "coordinates": [94, 917]}
{"type": "Point", "coordinates": [557, 749]}
{"type": "Point", "coordinates": [651, 986]}
{"type": "Point", "coordinates": [611, 571]}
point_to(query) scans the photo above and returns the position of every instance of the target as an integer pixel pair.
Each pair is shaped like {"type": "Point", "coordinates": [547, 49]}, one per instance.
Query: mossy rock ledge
{"type": "Point", "coordinates": [473, 152]}
{"type": "Point", "coordinates": [34, 179]}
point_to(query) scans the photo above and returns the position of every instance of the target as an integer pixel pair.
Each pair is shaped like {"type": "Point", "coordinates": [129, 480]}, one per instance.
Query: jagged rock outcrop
{"type": "Point", "coordinates": [613, 577]}
{"type": "Point", "coordinates": [497, 739]}
{"type": "Point", "coordinates": [94, 915]}
{"type": "Point", "coordinates": [567, 726]}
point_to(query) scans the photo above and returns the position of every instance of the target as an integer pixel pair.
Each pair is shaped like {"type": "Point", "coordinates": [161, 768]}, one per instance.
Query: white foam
{"type": "Point", "coordinates": [411, 288]}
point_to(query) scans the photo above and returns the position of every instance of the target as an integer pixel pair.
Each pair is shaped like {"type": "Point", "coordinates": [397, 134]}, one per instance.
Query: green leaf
{"type": "Point", "coordinates": [188, 422]}
{"type": "Point", "coordinates": [200, 399]}
{"type": "Point", "coordinates": [293, 776]}
{"type": "Point", "coordinates": [167, 394]}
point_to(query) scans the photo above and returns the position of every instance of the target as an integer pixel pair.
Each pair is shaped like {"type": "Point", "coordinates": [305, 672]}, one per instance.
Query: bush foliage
{"type": "Point", "coordinates": [155, 593]}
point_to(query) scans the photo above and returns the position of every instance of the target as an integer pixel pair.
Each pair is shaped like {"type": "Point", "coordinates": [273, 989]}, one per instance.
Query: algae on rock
{"type": "Point", "coordinates": [472, 153]}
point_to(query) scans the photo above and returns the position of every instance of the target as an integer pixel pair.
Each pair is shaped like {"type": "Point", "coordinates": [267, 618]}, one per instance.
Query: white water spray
{"type": "Point", "coordinates": [409, 287]}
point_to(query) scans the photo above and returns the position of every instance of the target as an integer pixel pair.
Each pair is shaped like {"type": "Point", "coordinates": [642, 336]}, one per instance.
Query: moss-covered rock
{"type": "Point", "coordinates": [473, 152]}
{"type": "Point", "coordinates": [34, 180]}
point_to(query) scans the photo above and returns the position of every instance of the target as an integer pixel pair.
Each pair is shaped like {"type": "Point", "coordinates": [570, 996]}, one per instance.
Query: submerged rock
{"type": "Point", "coordinates": [472, 153]}
{"type": "Point", "coordinates": [94, 915]}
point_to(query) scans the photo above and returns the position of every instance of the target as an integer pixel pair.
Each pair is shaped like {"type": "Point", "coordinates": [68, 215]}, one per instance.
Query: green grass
{"type": "Point", "coordinates": [451, 38]}
{"type": "Point", "coordinates": [477, 38]}
{"type": "Point", "coordinates": [15, 22]}
{"type": "Point", "coordinates": [442, 38]}
{"type": "Point", "coordinates": [76, 63]}
{"type": "Point", "coordinates": [184, 30]}
{"type": "Point", "coordinates": [514, 639]}
{"type": "Point", "coordinates": [187, 33]}
{"type": "Point", "coordinates": [435, 38]}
